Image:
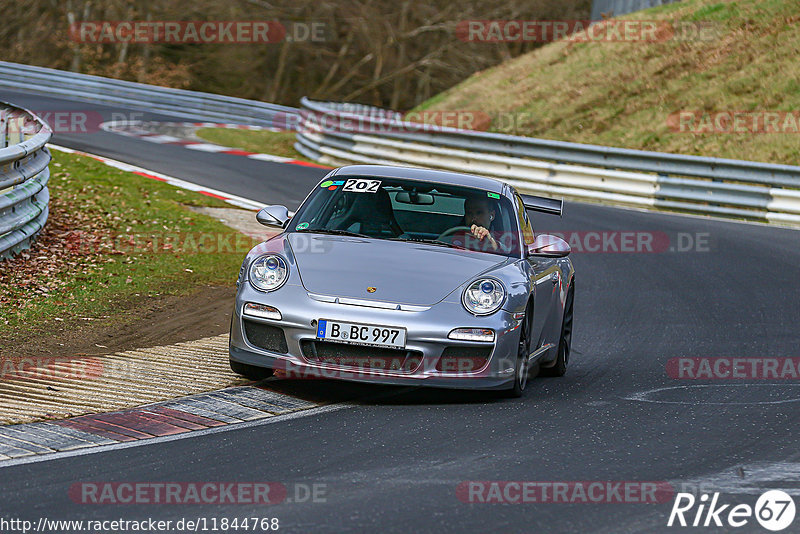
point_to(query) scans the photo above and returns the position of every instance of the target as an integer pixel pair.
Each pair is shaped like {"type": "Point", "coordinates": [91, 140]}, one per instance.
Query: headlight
{"type": "Point", "coordinates": [268, 272]}
{"type": "Point", "coordinates": [484, 296]}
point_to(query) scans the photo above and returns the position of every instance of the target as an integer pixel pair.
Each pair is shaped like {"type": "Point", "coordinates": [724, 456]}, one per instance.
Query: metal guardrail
{"type": "Point", "coordinates": [335, 133]}
{"type": "Point", "coordinates": [23, 178]}
{"type": "Point", "coordinates": [175, 102]}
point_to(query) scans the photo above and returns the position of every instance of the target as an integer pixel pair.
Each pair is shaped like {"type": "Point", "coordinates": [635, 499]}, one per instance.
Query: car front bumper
{"type": "Point", "coordinates": [426, 336]}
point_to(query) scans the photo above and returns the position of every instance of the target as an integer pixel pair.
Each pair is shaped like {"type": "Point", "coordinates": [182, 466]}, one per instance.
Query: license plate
{"type": "Point", "coordinates": [362, 334]}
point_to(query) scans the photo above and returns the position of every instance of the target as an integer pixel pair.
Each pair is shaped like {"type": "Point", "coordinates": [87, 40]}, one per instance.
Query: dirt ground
{"type": "Point", "coordinates": [159, 321]}
{"type": "Point", "coordinates": [143, 322]}
{"type": "Point", "coordinates": [146, 321]}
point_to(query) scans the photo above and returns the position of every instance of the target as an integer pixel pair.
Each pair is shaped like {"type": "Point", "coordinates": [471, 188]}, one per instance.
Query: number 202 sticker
{"type": "Point", "coordinates": [360, 185]}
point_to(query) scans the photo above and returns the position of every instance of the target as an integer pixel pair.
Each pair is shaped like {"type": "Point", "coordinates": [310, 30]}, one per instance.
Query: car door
{"type": "Point", "coordinates": [544, 275]}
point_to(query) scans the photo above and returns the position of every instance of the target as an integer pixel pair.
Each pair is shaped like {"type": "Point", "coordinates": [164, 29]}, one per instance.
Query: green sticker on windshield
{"type": "Point", "coordinates": [493, 195]}
{"type": "Point", "coordinates": [301, 226]}
{"type": "Point", "coordinates": [326, 183]}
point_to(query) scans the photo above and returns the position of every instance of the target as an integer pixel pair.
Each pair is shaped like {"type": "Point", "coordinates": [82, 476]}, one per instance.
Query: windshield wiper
{"type": "Point", "coordinates": [428, 241]}
{"type": "Point", "coordinates": [331, 231]}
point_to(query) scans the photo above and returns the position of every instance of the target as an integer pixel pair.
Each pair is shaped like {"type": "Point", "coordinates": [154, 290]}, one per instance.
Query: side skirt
{"type": "Point", "coordinates": [538, 353]}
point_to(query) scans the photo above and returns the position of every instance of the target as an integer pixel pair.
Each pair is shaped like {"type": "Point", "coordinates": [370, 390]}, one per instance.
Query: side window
{"type": "Point", "coordinates": [524, 221]}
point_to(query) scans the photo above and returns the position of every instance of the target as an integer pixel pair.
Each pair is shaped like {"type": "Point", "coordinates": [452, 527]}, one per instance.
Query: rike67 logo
{"type": "Point", "coordinates": [774, 510]}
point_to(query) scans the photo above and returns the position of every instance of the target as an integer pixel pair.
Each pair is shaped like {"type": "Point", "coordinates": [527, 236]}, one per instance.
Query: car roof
{"type": "Point", "coordinates": [426, 175]}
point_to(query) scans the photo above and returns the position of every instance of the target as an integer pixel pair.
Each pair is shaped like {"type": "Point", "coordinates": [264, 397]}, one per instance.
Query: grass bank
{"type": "Point", "coordinates": [625, 93]}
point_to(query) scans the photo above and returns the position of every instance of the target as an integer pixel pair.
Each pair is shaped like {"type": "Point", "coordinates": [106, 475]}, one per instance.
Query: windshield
{"type": "Point", "coordinates": [410, 210]}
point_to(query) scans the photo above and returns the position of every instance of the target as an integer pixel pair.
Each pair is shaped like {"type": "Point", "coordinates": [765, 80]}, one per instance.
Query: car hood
{"type": "Point", "coordinates": [401, 272]}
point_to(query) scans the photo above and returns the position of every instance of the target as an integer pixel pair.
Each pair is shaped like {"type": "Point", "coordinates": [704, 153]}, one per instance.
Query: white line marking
{"type": "Point", "coordinates": [642, 396]}
{"type": "Point", "coordinates": [746, 479]}
{"type": "Point", "coordinates": [207, 147]}
{"type": "Point", "coordinates": [269, 157]}
{"type": "Point", "coordinates": [160, 139]}
{"type": "Point", "coordinates": [133, 129]}
{"type": "Point", "coordinates": [241, 202]}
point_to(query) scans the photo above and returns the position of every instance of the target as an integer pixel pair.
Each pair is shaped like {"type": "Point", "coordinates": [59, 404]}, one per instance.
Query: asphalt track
{"type": "Point", "coordinates": [392, 459]}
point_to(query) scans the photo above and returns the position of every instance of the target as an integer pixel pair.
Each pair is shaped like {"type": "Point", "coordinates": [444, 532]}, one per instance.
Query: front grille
{"type": "Point", "coordinates": [359, 357]}
{"type": "Point", "coordinates": [265, 336]}
{"type": "Point", "coordinates": [463, 359]}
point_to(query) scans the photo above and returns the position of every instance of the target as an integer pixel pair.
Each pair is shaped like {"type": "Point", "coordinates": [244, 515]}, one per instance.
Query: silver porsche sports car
{"type": "Point", "coordinates": [406, 276]}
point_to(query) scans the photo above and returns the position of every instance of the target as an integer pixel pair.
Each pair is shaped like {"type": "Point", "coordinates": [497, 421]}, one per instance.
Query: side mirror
{"type": "Point", "coordinates": [549, 246]}
{"type": "Point", "coordinates": [276, 216]}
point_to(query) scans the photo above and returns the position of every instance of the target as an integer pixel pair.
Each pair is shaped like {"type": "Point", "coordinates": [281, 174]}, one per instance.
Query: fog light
{"type": "Point", "coordinates": [472, 334]}
{"type": "Point", "coordinates": [261, 310]}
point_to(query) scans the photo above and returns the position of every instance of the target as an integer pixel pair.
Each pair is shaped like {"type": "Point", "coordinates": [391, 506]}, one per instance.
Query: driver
{"type": "Point", "coordinates": [478, 215]}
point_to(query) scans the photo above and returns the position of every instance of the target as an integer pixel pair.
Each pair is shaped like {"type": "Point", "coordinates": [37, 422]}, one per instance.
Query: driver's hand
{"type": "Point", "coordinates": [480, 232]}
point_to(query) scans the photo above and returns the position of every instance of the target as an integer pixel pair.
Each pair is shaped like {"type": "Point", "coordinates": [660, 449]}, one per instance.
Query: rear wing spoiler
{"type": "Point", "coordinates": [543, 204]}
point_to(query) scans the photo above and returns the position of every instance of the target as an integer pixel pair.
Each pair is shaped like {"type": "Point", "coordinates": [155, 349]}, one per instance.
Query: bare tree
{"type": "Point", "coordinates": [385, 52]}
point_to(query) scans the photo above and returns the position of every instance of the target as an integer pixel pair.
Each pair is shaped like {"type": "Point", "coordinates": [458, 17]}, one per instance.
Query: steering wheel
{"type": "Point", "coordinates": [454, 230]}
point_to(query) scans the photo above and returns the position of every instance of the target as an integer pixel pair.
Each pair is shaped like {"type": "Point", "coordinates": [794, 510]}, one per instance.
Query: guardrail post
{"type": "Point", "coordinates": [3, 128]}
{"type": "Point", "coordinates": [14, 129]}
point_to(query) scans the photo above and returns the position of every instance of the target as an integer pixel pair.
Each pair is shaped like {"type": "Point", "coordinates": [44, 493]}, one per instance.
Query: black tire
{"type": "Point", "coordinates": [251, 371]}
{"type": "Point", "coordinates": [565, 341]}
{"type": "Point", "coordinates": [521, 369]}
